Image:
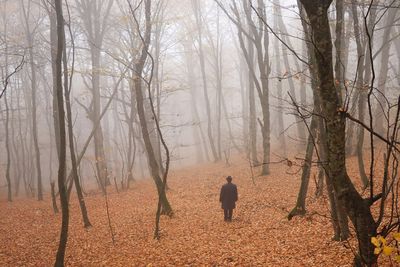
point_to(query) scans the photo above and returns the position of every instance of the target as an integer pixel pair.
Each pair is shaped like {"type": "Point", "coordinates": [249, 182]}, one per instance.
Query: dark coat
{"type": "Point", "coordinates": [228, 196]}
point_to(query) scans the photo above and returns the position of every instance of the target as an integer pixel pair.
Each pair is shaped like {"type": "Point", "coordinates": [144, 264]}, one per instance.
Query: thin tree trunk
{"type": "Point", "coordinates": [228, 124]}
{"type": "Point", "coordinates": [252, 108]}
{"type": "Point", "coordinates": [8, 178]}
{"type": "Point", "coordinates": [51, 134]}
{"type": "Point", "coordinates": [300, 208]}
{"type": "Point", "coordinates": [22, 143]}
{"type": "Point", "coordinates": [196, 7]}
{"type": "Point", "coordinates": [62, 153]}
{"type": "Point", "coordinates": [53, 197]}
{"type": "Point", "coordinates": [261, 42]}
{"type": "Point", "coordinates": [199, 136]}
{"type": "Point", "coordinates": [29, 38]}
{"type": "Point", "coordinates": [18, 159]}
{"type": "Point", "coordinates": [381, 96]}
{"type": "Point", "coordinates": [361, 94]}
{"type": "Point", "coordinates": [151, 157]}
{"type": "Point", "coordinates": [6, 124]}
{"type": "Point", "coordinates": [218, 69]}
{"type": "Point", "coordinates": [101, 163]}
{"type": "Point", "coordinates": [94, 15]}
{"type": "Point", "coordinates": [53, 41]}
{"type": "Point", "coordinates": [245, 107]}
{"type": "Point", "coordinates": [88, 140]}
{"type": "Point", "coordinates": [75, 174]}
{"type": "Point", "coordinates": [301, 129]}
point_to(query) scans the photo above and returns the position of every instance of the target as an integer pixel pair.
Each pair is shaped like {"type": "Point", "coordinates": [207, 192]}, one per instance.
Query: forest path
{"type": "Point", "coordinates": [259, 235]}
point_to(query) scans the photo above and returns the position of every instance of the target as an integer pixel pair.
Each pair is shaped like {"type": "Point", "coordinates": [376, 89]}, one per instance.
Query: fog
{"type": "Point", "coordinates": [106, 32]}
{"type": "Point", "coordinates": [177, 85]}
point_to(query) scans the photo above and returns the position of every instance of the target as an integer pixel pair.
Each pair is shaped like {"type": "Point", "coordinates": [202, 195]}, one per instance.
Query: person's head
{"type": "Point", "coordinates": [229, 179]}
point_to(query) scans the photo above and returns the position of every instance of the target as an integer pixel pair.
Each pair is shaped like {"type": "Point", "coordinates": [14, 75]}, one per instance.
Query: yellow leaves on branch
{"type": "Point", "coordinates": [387, 250]}
{"type": "Point", "coordinates": [396, 236]}
{"type": "Point", "coordinates": [381, 246]}
{"type": "Point", "coordinates": [378, 241]}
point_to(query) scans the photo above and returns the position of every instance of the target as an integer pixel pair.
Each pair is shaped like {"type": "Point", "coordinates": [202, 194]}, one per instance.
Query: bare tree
{"type": "Point", "coordinates": [138, 81]}
{"type": "Point", "coordinates": [198, 16]}
{"type": "Point", "coordinates": [7, 119]}
{"type": "Point", "coordinates": [289, 74]}
{"type": "Point", "coordinates": [63, 147]}
{"type": "Point", "coordinates": [258, 34]}
{"type": "Point", "coordinates": [383, 72]}
{"type": "Point", "coordinates": [279, 87]}
{"type": "Point", "coordinates": [94, 15]}
{"type": "Point", "coordinates": [67, 93]}
{"type": "Point", "coordinates": [356, 207]}
{"type": "Point", "coordinates": [8, 164]}
{"type": "Point", "coordinates": [200, 139]}
{"type": "Point", "coordinates": [317, 140]}
{"type": "Point", "coordinates": [30, 33]}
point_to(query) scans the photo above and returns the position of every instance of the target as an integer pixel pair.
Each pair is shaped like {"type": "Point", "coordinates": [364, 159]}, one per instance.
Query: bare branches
{"type": "Point", "coordinates": [277, 35]}
{"type": "Point", "coordinates": [144, 54]}
{"type": "Point", "coordinates": [371, 181]}
{"type": "Point", "coordinates": [8, 77]}
{"type": "Point", "coordinates": [371, 130]}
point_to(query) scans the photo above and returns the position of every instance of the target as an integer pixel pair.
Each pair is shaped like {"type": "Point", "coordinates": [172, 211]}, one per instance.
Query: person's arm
{"type": "Point", "coordinates": [221, 194]}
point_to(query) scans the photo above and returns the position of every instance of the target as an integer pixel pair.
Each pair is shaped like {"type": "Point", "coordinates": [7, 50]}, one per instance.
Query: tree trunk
{"type": "Point", "coordinates": [252, 107]}
{"type": "Point", "coordinates": [196, 7]}
{"type": "Point", "coordinates": [386, 43]}
{"type": "Point", "coordinates": [357, 209]}
{"type": "Point", "coordinates": [244, 96]}
{"type": "Point", "coordinates": [22, 144]}
{"type": "Point", "coordinates": [361, 92]}
{"type": "Point", "coordinates": [94, 15]}
{"type": "Point", "coordinates": [228, 125]}
{"type": "Point", "coordinates": [339, 72]}
{"type": "Point", "coordinates": [300, 208]}
{"type": "Point", "coordinates": [6, 125]}
{"type": "Point", "coordinates": [53, 197]}
{"type": "Point", "coordinates": [151, 157]}
{"type": "Point", "coordinates": [29, 38]}
{"type": "Point", "coordinates": [75, 174]}
{"type": "Point", "coordinates": [101, 163]}
{"type": "Point", "coordinates": [200, 139]}
{"type": "Point", "coordinates": [301, 129]}
{"type": "Point", "coordinates": [53, 42]}
{"type": "Point", "coordinates": [338, 214]}
{"type": "Point", "coordinates": [62, 153]}
{"type": "Point", "coordinates": [261, 42]}
{"type": "Point", "coordinates": [8, 165]}
{"type": "Point", "coordinates": [35, 124]}
{"type": "Point", "coordinates": [17, 167]}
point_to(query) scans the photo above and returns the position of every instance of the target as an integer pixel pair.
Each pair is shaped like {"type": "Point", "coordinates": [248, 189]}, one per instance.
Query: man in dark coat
{"type": "Point", "coordinates": [228, 197]}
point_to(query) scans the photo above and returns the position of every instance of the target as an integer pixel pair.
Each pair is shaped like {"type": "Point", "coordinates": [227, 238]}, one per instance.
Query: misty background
{"type": "Point", "coordinates": [106, 27]}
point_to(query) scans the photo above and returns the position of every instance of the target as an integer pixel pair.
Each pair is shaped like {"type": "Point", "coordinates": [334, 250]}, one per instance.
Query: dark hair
{"type": "Point", "coordinates": [229, 178]}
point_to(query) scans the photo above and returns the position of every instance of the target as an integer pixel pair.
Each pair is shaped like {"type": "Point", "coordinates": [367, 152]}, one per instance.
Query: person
{"type": "Point", "coordinates": [228, 198]}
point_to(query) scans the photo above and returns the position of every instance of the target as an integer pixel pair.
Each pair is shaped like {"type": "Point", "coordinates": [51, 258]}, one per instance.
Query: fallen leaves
{"type": "Point", "coordinates": [259, 235]}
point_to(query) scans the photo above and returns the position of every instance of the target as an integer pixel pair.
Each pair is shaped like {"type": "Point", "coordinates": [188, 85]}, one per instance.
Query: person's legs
{"type": "Point", "coordinates": [226, 214]}
{"type": "Point", "coordinates": [230, 211]}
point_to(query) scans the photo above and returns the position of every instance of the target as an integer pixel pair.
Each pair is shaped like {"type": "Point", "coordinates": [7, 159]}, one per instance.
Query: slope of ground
{"type": "Point", "coordinates": [260, 234]}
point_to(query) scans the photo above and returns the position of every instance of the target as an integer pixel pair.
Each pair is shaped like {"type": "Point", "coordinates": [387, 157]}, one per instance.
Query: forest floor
{"type": "Point", "coordinates": [259, 235]}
